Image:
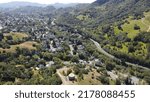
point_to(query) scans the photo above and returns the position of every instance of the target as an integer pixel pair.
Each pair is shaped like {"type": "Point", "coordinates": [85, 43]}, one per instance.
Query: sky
{"type": "Point", "coordinates": [51, 1]}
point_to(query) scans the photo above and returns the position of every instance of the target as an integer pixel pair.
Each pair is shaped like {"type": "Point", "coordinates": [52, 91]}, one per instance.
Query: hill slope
{"type": "Point", "coordinates": [20, 4]}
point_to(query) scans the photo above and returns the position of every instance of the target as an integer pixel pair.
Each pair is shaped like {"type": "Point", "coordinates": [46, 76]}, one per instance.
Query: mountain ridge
{"type": "Point", "coordinates": [18, 4]}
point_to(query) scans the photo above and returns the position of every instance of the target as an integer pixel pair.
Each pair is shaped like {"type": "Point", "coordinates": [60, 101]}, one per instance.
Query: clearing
{"type": "Point", "coordinates": [28, 45]}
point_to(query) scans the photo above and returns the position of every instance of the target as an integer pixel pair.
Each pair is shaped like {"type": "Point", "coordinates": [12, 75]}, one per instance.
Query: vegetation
{"type": "Point", "coordinates": [35, 43]}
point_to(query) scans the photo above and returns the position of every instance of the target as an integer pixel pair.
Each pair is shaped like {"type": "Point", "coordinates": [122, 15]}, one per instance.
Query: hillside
{"type": "Point", "coordinates": [20, 4]}
{"type": "Point", "coordinates": [106, 42]}
{"type": "Point", "coordinates": [17, 4]}
{"type": "Point", "coordinates": [108, 11]}
{"type": "Point", "coordinates": [116, 23]}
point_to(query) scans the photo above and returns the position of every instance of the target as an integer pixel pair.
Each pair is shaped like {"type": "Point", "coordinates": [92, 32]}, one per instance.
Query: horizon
{"type": "Point", "coordinates": [48, 1]}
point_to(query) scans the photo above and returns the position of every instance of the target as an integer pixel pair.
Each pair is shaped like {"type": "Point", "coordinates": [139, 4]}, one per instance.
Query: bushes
{"type": "Point", "coordinates": [131, 49]}
{"type": "Point", "coordinates": [147, 76]}
{"type": "Point", "coordinates": [132, 59]}
{"type": "Point", "coordinates": [136, 27]}
{"type": "Point", "coordinates": [104, 80]}
{"type": "Point", "coordinates": [69, 71]}
{"type": "Point", "coordinates": [10, 72]}
{"type": "Point", "coordinates": [110, 66]}
{"type": "Point", "coordinates": [143, 37]}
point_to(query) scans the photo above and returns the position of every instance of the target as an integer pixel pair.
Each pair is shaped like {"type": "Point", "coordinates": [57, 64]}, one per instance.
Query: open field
{"type": "Point", "coordinates": [88, 80]}
{"type": "Point", "coordinates": [28, 45]}
{"type": "Point", "coordinates": [16, 36]}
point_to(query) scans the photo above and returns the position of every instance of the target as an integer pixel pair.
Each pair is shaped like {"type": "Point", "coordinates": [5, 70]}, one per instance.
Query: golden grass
{"type": "Point", "coordinates": [88, 79]}
{"type": "Point", "coordinates": [28, 45]}
{"type": "Point", "coordinates": [16, 35]}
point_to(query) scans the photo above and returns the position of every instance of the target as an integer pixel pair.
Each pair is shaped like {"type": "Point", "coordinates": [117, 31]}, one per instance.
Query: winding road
{"type": "Point", "coordinates": [113, 57]}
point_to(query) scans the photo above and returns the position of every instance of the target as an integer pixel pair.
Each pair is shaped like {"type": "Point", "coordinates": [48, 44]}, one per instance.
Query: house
{"type": "Point", "coordinates": [80, 47]}
{"type": "Point", "coordinates": [98, 63]}
{"type": "Point", "coordinates": [112, 75]}
{"type": "Point", "coordinates": [82, 62]}
{"type": "Point", "coordinates": [134, 80]}
{"type": "Point", "coordinates": [40, 66]}
{"type": "Point", "coordinates": [50, 64]}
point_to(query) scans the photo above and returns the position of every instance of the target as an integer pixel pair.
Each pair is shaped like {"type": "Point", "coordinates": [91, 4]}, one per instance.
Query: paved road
{"type": "Point", "coordinates": [102, 50]}
{"type": "Point", "coordinates": [113, 57]}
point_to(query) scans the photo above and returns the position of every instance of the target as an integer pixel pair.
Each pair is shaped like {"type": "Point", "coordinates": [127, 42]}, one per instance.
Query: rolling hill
{"type": "Point", "coordinates": [17, 4]}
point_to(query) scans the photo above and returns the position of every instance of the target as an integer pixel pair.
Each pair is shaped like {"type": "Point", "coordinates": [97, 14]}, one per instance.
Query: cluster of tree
{"type": "Point", "coordinates": [4, 45]}
{"type": "Point", "coordinates": [10, 72]}
{"type": "Point", "coordinates": [143, 36]}
{"type": "Point", "coordinates": [132, 59]}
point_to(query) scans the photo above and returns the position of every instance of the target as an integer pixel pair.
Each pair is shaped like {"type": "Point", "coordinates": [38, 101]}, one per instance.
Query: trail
{"type": "Point", "coordinates": [145, 24]}
{"type": "Point", "coordinates": [148, 29]}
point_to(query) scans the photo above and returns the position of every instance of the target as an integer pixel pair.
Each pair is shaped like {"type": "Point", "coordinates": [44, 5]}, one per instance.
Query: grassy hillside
{"type": "Point", "coordinates": [16, 36]}
{"type": "Point", "coordinates": [14, 40]}
{"type": "Point", "coordinates": [128, 26]}
{"type": "Point", "coordinates": [125, 37]}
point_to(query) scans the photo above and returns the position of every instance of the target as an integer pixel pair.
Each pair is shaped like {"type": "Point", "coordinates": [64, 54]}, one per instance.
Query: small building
{"type": "Point", "coordinates": [98, 63]}
{"type": "Point", "coordinates": [50, 64]}
{"type": "Point", "coordinates": [71, 77]}
{"type": "Point", "coordinates": [40, 66]}
{"type": "Point", "coordinates": [134, 80]}
{"type": "Point", "coordinates": [37, 68]}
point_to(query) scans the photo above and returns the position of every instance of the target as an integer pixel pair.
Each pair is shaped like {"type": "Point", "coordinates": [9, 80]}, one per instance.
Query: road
{"type": "Point", "coordinates": [113, 57]}
{"type": "Point", "coordinates": [102, 50]}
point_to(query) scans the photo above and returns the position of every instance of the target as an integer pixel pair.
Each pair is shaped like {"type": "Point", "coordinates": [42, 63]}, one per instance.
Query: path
{"type": "Point", "coordinates": [148, 29]}
{"type": "Point", "coordinates": [64, 79]}
{"type": "Point", "coordinates": [146, 24]}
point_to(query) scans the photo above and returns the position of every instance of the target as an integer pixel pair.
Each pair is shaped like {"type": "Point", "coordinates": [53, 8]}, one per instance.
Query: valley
{"type": "Point", "coordinates": [102, 43]}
